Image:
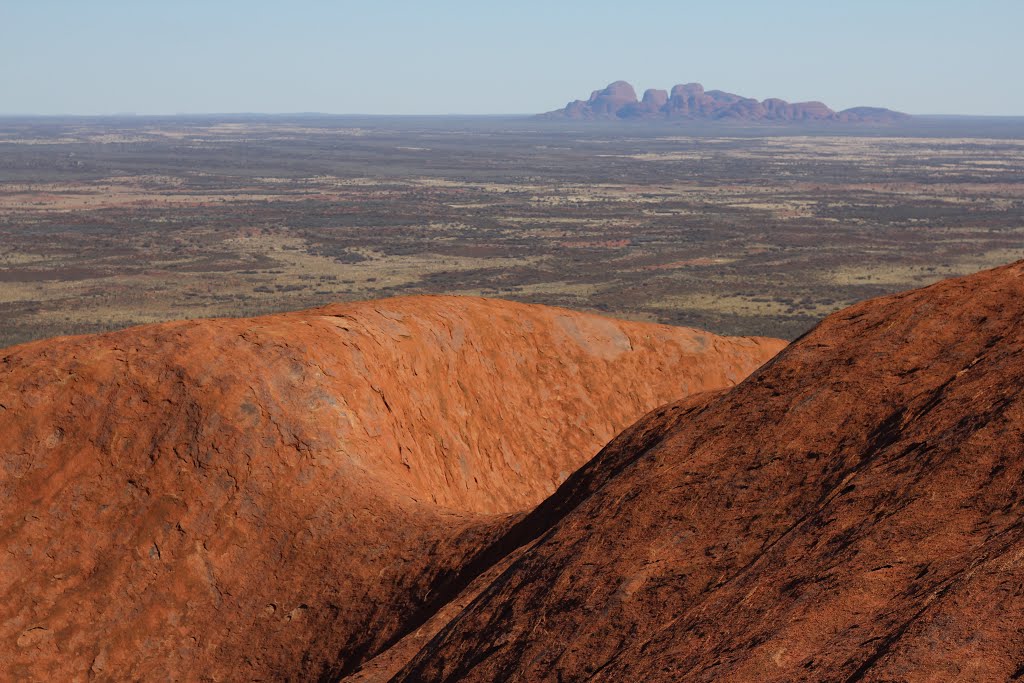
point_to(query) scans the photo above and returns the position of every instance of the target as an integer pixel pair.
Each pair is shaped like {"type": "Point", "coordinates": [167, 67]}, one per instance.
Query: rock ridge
{"type": "Point", "coordinates": [690, 101]}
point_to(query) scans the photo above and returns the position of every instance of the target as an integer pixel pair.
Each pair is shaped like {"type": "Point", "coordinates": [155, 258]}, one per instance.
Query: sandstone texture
{"type": "Point", "coordinates": [286, 497]}
{"type": "Point", "coordinates": [850, 512]}
{"type": "Point", "coordinates": [691, 101]}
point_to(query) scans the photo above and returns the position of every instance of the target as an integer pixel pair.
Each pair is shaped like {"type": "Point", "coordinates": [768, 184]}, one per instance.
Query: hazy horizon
{"type": "Point", "coordinates": [459, 58]}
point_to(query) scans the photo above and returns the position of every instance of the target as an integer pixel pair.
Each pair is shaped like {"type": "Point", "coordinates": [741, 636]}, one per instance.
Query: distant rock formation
{"type": "Point", "coordinates": [691, 101]}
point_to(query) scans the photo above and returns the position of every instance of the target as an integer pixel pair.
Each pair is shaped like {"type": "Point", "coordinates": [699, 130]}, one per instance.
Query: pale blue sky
{"type": "Point", "coordinates": [460, 56]}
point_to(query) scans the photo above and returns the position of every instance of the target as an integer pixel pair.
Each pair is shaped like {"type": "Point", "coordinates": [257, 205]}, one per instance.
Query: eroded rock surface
{"type": "Point", "coordinates": [851, 512]}
{"type": "Point", "coordinates": [283, 497]}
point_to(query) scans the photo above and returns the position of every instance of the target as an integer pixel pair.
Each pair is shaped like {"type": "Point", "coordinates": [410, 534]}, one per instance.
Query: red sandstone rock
{"type": "Point", "coordinates": [284, 497]}
{"type": "Point", "coordinates": [851, 512]}
{"type": "Point", "coordinates": [653, 101]}
{"type": "Point", "coordinates": [604, 103]}
{"type": "Point", "coordinates": [871, 114]}
{"type": "Point", "coordinates": [690, 101]}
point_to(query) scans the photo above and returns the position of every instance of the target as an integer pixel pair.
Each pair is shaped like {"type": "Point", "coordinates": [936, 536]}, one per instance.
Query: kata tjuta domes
{"type": "Point", "coordinates": [691, 101]}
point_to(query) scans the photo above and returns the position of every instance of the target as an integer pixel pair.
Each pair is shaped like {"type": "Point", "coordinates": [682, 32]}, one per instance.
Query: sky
{"type": "Point", "coordinates": [501, 57]}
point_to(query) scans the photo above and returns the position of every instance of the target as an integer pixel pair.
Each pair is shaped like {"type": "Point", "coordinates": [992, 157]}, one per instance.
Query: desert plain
{"type": "Point", "coordinates": [322, 469]}
{"type": "Point", "coordinates": [737, 229]}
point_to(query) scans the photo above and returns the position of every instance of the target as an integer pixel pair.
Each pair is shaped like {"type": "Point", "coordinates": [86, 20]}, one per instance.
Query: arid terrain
{"type": "Point", "coordinates": [282, 498]}
{"type": "Point", "coordinates": [736, 229]}
{"type": "Point", "coordinates": [403, 490]}
{"type": "Point", "coordinates": [487, 487]}
{"type": "Point", "coordinates": [852, 512]}
{"type": "Point", "coordinates": [529, 342]}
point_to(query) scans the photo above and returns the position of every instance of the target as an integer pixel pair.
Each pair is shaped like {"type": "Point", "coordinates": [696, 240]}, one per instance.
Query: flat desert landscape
{"type": "Point", "coordinates": [736, 229]}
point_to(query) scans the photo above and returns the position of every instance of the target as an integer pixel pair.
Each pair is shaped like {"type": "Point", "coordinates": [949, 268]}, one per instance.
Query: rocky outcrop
{"type": "Point", "coordinates": [285, 497]}
{"type": "Point", "coordinates": [690, 101]}
{"type": "Point", "coordinates": [851, 512]}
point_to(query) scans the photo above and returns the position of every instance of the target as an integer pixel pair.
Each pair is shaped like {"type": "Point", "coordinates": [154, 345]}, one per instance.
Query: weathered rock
{"type": "Point", "coordinates": [871, 114]}
{"type": "Point", "coordinates": [652, 103]}
{"type": "Point", "coordinates": [690, 101]}
{"type": "Point", "coordinates": [283, 497]}
{"type": "Point", "coordinates": [851, 512]}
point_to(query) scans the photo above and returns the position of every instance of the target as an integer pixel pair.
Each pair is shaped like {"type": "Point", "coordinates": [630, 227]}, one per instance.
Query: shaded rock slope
{"type": "Point", "coordinates": [854, 511]}
{"type": "Point", "coordinates": [691, 101]}
{"type": "Point", "coordinates": [284, 497]}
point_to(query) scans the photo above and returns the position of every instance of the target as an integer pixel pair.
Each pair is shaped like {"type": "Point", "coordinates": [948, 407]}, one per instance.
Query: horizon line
{"type": "Point", "coordinates": [427, 115]}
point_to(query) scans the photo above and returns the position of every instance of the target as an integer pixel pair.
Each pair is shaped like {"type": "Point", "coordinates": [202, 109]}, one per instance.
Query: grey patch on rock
{"type": "Point", "coordinates": [602, 337]}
